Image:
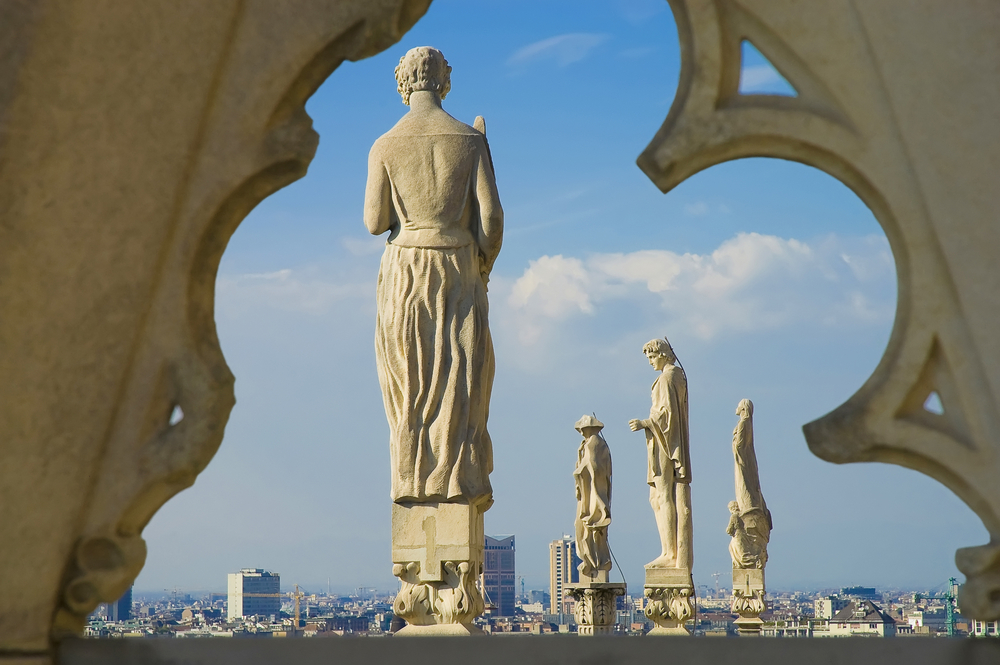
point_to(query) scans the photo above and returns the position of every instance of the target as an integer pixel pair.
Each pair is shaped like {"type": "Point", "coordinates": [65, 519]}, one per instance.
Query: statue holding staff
{"type": "Point", "coordinates": [431, 186]}
{"type": "Point", "coordinates": [593, 499]}
{"type": "Point", "coordinates": [669, 457]}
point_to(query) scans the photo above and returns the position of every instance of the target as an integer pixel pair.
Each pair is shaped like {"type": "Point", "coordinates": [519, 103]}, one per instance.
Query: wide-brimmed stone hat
{"type": "Point", "coordinates": [588, 421]}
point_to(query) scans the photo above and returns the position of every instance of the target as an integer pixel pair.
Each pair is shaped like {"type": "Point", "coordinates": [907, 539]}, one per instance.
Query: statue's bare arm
{"type": "Point", "coordinates": [379, 215]}
{"type": "Point", "coordinates": [490, 235]}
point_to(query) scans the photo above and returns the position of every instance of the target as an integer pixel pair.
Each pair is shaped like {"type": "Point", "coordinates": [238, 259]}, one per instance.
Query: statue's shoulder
{"type": "Point", "coordinates": [430, 124]}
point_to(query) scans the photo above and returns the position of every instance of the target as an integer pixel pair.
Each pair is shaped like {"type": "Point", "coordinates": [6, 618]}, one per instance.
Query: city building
{"type": "Point", "coordinates": [862, 592]}
{"type": "Point", "coordinates": [985, 628]}
{"type": "Point", "coordinates": [861, 618]}
{"type": "Point", "coordinates": [825, 608]}
{"type": "Point", "coordinates": [498, 574]}
{"type": "Point", "coordinates": [120, 610]}
{"type": "Point", "coordinates": [254, 591]}
{"type": "Point", "coordinates": [563, 563]}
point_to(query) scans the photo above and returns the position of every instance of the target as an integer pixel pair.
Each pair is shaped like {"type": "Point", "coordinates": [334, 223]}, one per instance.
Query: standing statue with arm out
{"type": "Point", "coordinates": [668, 577]}
{"type": "Point", "coordinates": [431, 187]}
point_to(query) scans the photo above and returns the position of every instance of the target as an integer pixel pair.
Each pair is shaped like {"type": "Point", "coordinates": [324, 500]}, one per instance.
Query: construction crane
{"type": "Point", "coordinates": [949, 604]}
{"type": "Point", "coordinates": [297, 596]}
{"type": "Point", "coordinates": [717, 575]}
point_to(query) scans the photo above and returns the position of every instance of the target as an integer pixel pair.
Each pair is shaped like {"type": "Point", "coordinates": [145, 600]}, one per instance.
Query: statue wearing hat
{"type": "Point", "coordinates": [593, 500]}
{"type": "Point", "coordinates": [595, 596]}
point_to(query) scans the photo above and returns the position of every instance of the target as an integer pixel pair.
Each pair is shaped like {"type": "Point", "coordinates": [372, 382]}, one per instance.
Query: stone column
{"type": "Point", "coordinates": [595, 603]}
{"type": "Point", "coordinates": [671, 599]}
{"type": "Point", "coordinates": [748, 600]}
{"type": "Point", "coordinates": [437, 553]}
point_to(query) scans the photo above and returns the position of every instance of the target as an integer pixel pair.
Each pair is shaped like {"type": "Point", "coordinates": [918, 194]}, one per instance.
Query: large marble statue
{"type": "Point", "coordinates": [668, 583]}
{"type": "Point", "coordinates": [669, 456]}
{"type": "Point", "coordinates": [751, 520]}
{"type": "Point", "coordinates": [594, 593]}
{"type": "Point", "coordinates": [593, 499]}
{"type": "Point", "coordinates": [750, 527]}
{"type": "Point", "coordinates": [431, 186]}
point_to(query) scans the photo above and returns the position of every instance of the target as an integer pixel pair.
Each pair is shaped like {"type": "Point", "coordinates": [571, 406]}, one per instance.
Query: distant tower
{"type": "Point", "coordinates": [121, 609]}
{"type": "Point", "coordinates": [563, 563]}
{"type": "Point", "coordinates": [254, 591]}
{"type": "Point", "coordinates": [498, 574]}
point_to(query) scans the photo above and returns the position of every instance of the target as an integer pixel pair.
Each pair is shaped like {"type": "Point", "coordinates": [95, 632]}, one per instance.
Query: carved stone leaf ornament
{"type": "Point", "coordinates": [925, 164]}
{"type": "Point", "coordinates": [110, 242]}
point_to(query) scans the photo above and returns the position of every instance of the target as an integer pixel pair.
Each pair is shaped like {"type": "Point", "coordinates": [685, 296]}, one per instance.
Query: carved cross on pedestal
{"type": "Point", "coordinates": [433, 533]}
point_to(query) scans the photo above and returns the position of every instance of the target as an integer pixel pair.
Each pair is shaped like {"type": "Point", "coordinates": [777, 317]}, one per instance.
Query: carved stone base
{"type": "Point", "coordinates": [437, 553]}
{"type": "Point", "coordinates": [595, 606]}
{"type": "Point", "coordinates": [748, 600]}
{"type": "Point", "coordinates": [440, 630]}
{"type": "Point", "coordinates": [671, 599]}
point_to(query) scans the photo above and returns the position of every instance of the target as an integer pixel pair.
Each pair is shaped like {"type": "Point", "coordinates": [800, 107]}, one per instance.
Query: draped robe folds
{"type": "Point", "coordinates": [593, 491]}
{"type": "Point", "coordinates": [753, 510]}
{"type": "Point", "coordinates": [431, 183]}
{"type": "Point", "coordinates": [667, 438]}
{"type": "Point", "coordinates": [742, 549]}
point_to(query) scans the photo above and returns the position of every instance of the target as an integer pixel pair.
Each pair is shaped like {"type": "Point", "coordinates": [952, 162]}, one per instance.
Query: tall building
{"type": "Point", "coordinates": [254, 591]}
{"type": "Point", "coordinates": [121, 609]}
{"type": "Point", "coordinates": [563, 563]}
{"type": "Point", "coordinates": [826, 607]}
{"type": "Point", "coordinates": [498, 574]}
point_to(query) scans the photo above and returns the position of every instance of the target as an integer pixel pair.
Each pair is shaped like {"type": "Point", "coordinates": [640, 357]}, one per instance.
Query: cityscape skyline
{"type": "Point", "coordinates": [784, 293]}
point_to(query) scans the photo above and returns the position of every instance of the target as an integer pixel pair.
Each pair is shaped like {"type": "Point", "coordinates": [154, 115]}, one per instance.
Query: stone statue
{"type": "Point", "coordinates": [594, 594]}
{"type": "Point", "coordinates": [668, 450]}
{"type": "Point", "coordinates": [750, 527]}
{"type": "Point", "coordinates": [431, 186]}
{"type": "Point", "coordinates": [742, 548]}
{"type": "Point", "coordinates": [751, 513]}
{"type": "Point", "coordinates": [668, 585]}
{"type": "Point", "coordinates": [593, 499]}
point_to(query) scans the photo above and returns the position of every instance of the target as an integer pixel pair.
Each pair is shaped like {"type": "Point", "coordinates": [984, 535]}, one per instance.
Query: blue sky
{"type": "Point", "coordinates": [772, 280]}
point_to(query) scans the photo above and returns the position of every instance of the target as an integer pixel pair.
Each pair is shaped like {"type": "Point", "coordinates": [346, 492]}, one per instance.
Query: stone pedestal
{"type": "Point", "coordinates": [595, 604]}
{"type": "Point", "coordinates": [437, 553]}
{"type": "Point", "coordinates": [671, 599]}
{"type": "Point", "coordinates": [748, 600]}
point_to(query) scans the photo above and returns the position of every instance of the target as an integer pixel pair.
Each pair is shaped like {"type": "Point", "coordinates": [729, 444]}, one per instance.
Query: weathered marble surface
{"type": "Point", "coordinates": [134, 138]}
{"type": "Point", "coordinates": [431, 188]}
{"type": "Point", "coordinates": [750, 520]}
{"type": "Point", "coordinates": [592, 477]}
{"type": "Point", "coordinates": [898, 100]}
{"type": "Point", "coordinates": [669, 457]}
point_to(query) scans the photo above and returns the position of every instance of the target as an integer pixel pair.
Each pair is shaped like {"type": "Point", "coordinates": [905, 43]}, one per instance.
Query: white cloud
{"type": "Point", "coordinates": [751, 282]}
{"type": "Point", "coordinates": [564, 49]}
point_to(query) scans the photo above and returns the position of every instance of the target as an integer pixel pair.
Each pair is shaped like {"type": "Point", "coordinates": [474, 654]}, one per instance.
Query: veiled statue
{"type": "Point", "coordinates": [431, 187]}
{"type": "Point", "coordinates": [750, 520]}
{"type": "Point", "coordinates": [593, 498]}
{"type": "Point", "coordinates": [669, 457]}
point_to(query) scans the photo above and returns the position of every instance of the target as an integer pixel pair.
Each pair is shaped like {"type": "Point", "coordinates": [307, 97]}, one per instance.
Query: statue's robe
{"type": "Point", "coordinates": [667, 439]}
{"type": "Point", "coordinates": [431, 183]}
{"type": "Point", "coordinates": [753, 510]}
{"type": "Point", "coordinates": [593, 515]}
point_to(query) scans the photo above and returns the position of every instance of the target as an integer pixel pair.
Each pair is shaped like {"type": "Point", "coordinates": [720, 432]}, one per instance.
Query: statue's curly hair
{"type": "Point", "coordinates": [661, 347]}
{"type": "Point", "coordinates": [423, 68]}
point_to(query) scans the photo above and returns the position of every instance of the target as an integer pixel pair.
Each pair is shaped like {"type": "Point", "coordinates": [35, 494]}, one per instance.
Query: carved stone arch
{"type": "Point", "coordinates": [210, 98]}
{"type": "Point", "coordinates": [857, 122]}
